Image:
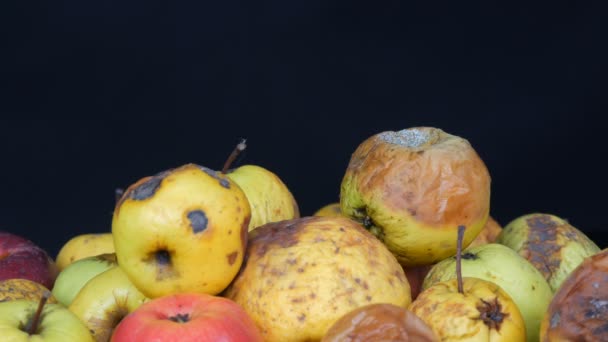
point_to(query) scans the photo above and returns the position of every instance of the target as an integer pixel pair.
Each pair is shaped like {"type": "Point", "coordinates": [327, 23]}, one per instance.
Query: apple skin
{"type": "Point", "coordinates": [203, 318]}
{"type": "Point", "coordinates": [13, 289]}
{"type": "Point", "coordinates": [74, 277]}
{"type": "Point", "coordinates": [22, 258]}
{"type": "Point", "coordinates": [57, 323]}
{"type": "Point", "coordinates": [84, 246]}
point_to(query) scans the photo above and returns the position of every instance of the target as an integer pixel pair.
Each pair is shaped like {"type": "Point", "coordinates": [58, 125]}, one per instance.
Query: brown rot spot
{"type": "Point", "coordinates": [232, 257]}
{"type": "Point", "coordinates": [180, 318]}
{"type": "Point", "coordinates": [491, 313]}
{"type": "Point", "coordinates": [198, 220]}
{"type": "Point", "coordinates": [302, 317]}
{"type": "Point", "coordinates": [541, 247]}
{"type": "Point", "coordinates": [541, 222]}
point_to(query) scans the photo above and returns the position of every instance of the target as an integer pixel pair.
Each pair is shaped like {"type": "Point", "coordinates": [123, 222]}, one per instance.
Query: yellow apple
{"type": "Point", "coordinates": [182, 230]}
{"type": "Point", "coordinates": [83, 246]}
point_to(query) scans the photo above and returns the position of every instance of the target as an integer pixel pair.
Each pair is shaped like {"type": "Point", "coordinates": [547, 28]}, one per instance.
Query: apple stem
{"type": "Point", "coordinates": [32, 325]}
{"type": "Point", "coordinates": [459, 258]}
{"type": "Point", "coordinates": [240, 147]}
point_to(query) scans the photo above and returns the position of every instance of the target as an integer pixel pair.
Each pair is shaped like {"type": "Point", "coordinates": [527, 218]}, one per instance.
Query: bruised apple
{"type": "Point", "coordinates": [300, 276]}
{"type": "Point", "coordinates": [579, 309]}
{"type": "Point", "coordinates": [380, 322]}
{"type": "Point", "coordinates": [331, 209]}
{"type": "Point", "coordinates": [13, 289]}
{"type": "Point", "coordinates": [182, 230]}
{"type": "Point", "coordinates": [412, 188]}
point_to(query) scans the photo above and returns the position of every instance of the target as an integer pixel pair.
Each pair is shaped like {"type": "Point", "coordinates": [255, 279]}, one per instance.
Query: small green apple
{"type": "Point", "coordinates": [72, 278]}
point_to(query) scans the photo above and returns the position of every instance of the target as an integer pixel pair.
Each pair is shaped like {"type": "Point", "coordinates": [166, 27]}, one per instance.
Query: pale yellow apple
{"type": "Point", "coordinates": [83, 246]}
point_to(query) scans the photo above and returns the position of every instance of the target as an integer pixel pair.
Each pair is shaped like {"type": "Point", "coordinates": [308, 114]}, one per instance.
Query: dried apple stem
{"type": "Point", "coordinates": [240, 147]}
{"type": "Point", "coordinates": [32, 325]}
{"type": "Point", "coordinates": [459, 258]}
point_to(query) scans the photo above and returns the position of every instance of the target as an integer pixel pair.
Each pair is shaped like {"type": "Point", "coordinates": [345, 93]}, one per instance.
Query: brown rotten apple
{"type": "Point", "coordinates": [579, 309]}
{"type": "Point", "coordinates": [411, 188]}
{"type": "Point", "coordinates": [302, 275]}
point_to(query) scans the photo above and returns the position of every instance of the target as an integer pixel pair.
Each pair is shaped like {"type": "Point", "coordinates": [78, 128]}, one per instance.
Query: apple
{"type": "Point", "coordinates": [489, 233]}
{"type": "Point", "coordinates": [182, 230]}
{"type": "Point", "coordinates": [331, 209]}
{"type": "Point", "coordinates": [412, 188]}
{"type": "Point", "coordinates": [83, 246]}
{"type": "Point", "coordinates": [469, 309]}
{"type": "Point", "coordinates": [186, 317]}
{"type": "Point", "coordinates": [268, 196]}
{"type": "Point", "coordinates": [22, 258]}
{"type": "Point", "coordinates": [302, 275]}
{"type": "Point", "coordinates": [380, 322]}
{"type": "Point", "coordinates": [579, 309]}
{"type": "Point", "coordinates": [71, 280]}
{"type": "Point", "coordinates": [26, 320]}
{"type": "Point", "coordinates": [105, 300]}
{"type": "Point", "coordinates": [550, 243]}
{"type": "Point", "coordinates": [12, 289]}
{"type": "Point", "coordinates": [503, 266]}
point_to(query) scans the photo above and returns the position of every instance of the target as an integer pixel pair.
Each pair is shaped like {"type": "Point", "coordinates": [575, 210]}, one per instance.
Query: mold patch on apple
{"type": "Point", "coordinates": [223, 181]}
{"type": "Point", "coordinates": [411, 137]}
{"type": "Point", "coordinates": [198, 220]}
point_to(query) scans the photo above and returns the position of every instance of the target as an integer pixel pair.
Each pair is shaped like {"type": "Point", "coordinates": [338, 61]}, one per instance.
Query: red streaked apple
{"type": "Point", "coordinates": [186, 317]}
{"type": "Point", "coordinates": [22, 258]}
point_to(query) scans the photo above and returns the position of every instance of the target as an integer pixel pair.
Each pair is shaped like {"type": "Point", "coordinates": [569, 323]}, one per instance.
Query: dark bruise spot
{"type": "Point", "coordinates": [232, 257]}
{"type": "Point", "coordinates": [223, 181]}
{"type": "Point", "coordinates": [292, 261]}
{"type": "Point", "coordinates": [368, 298]}
{"type": "Point", "coordinates": [469, 256]}
{"type": "Point", "coordinates": [162, 260]}
{"type": "Point", "coordinates": [337, 250]}
{"type": "Point", "coordinates": [298, 300]}
{"type": "Point", "coordinates": [541, 248]}
{"type": "Point", "coordinates": [198, 220]}
{"type": "Point", "coordinates": [313, 295]}
{"type": "Point", "coordinates": [491, 313]}
{"type": "Point", "coordinates": [300, 270]}
{"type": "Point", "coordinates": [342, 229]}
{"type": "Point", "coordinates": [146, 189]}
{"type": "Point", "coordinates": [302, 317]}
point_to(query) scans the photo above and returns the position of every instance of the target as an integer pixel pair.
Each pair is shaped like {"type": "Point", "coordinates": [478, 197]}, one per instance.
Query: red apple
{"type": "Point", "coordinates": [21, 258]}
{"type": "Point", "coordinates": [187, 317]}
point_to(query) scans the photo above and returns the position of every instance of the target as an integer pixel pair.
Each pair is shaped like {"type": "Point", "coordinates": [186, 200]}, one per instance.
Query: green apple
{"type": "Point", "coordinates": [550, 243]}
{"type": "Point", "coordinates": [504, 267]}
{"type": "Point", "coordinates": [268, 196]}
{"type": "Point", "coordinates": [72, 278]}
{"type": "Point", "coordinates": [105, 300]}
{"type": "Point", "coordinates": [24, 320]}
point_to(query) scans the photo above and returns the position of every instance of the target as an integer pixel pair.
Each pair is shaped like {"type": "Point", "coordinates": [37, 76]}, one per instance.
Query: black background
{"type": "Point", "coordinates": [305, 82]}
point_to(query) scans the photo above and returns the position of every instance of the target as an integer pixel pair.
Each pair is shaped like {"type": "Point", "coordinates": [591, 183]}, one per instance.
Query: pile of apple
{"type": "Point", "coordinates": [408, 253]}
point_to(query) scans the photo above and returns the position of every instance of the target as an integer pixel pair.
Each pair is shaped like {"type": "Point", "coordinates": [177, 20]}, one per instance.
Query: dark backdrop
{"type": "Point", "coordinates": [305, 82]}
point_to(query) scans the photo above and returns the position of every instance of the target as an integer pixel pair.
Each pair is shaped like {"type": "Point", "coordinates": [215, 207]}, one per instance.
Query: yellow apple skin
{"type": "Point", "coordinates": [302, 275]}
{"type": "Point", "coordinates": [13, 289]}
{"type": "Point", "coordinates": [83, 246]}
{"type": "Point", "coordinates": [105, 300]}
{"type": "Point", "coordinates": [329, 210]}
{"type": "Point", "coordinates": [456, 317]}
{"type": "Point", "coordinates": [183, 230]}
{"type": "Point", "coordinates": [269, 197]}
{"type": "Point", "coordinates": [57, 323]}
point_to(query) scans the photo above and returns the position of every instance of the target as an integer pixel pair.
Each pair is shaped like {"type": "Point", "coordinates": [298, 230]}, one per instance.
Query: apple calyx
{"type": "Point", "coordinates": [368, 223]}
{"type": "Point", "coordinates": [240, 147]}
{"type": "Point", "coordinates": [32, 325]}
{"type": "Point", "coordinates": [491, 313]}
{"type": "Point", "coordinates": [459, 258]}
{"type": "Point", "coordinates": [180, 318]}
